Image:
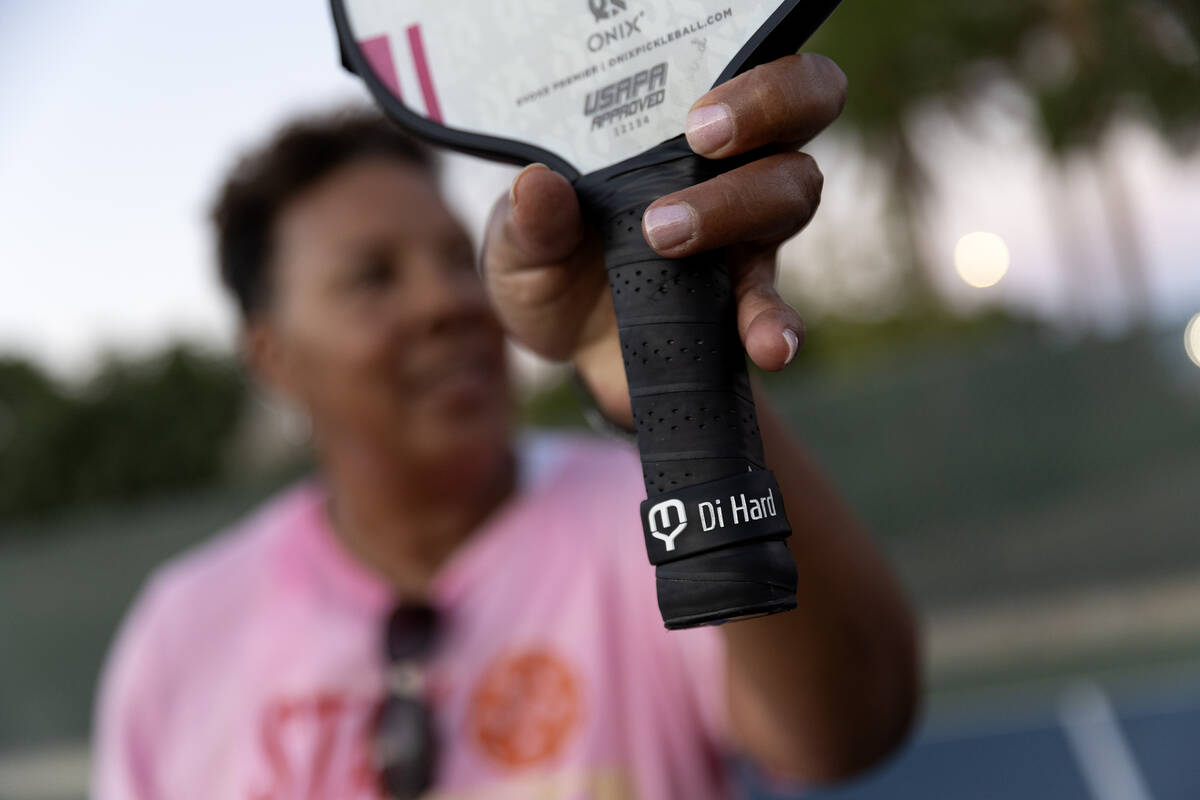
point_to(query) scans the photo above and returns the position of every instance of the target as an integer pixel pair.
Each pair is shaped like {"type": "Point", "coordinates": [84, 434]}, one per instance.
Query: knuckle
{"type": "Point", "coordinates": [787, 97]}
{"type": "Point", "coordinates": [807, 179]}
{"type": "Point", "coordinates": [841, 88]}
{"type": "Point", "coordinates": [763, 296]}
{"type": "Point", "coordinates": [799, 190]}
{"type": "Point", "coordinates": [772, 103]}
{"type": "Point", "coordinates": [809, 93]}
{"type": "Point", "coordinates": [732, 201]}
{"type": "Point", "coordinates": [815, 178]}
{"type": "Point", "coordinates": [833, 80]}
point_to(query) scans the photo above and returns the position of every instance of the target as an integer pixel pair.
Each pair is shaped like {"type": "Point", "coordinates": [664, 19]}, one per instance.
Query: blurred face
{"type": "Point", "coordinates": [379, 325]}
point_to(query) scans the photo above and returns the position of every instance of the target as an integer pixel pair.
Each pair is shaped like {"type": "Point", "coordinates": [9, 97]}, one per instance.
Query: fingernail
{"type": "Point", "coordinates": [709, 128]}
{"type": "Point", "coordinates": [512, 190]}
{"type": "Point", "coordinates": [669, 225]}
{"type": "Point", "coordinates": [793, 344]}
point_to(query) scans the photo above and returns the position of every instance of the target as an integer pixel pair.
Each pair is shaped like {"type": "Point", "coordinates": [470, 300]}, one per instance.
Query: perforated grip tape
{"type": "Point", "coordinates": [692, 405]}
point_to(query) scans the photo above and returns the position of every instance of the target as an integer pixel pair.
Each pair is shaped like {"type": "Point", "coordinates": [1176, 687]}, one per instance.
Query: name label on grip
{"type": "Point", "coordinates": [697, 518]}
{"type": "Point", "coordinates": [741, 508]}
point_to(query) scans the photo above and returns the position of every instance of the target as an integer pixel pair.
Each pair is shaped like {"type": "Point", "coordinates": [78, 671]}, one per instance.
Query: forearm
{"type": "Point", "coordinates": [828, 689]}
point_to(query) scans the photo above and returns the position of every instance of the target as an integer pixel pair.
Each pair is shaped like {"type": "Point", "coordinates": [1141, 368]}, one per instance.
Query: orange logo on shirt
{"type": "Point", "coordinates": [525, 708]}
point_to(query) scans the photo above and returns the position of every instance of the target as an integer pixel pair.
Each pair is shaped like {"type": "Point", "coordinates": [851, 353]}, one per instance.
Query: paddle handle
{"type": "Point", "coordinates": [713, 522]}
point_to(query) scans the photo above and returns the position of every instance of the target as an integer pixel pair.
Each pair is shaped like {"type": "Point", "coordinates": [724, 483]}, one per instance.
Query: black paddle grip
{"type": "Point", "coordinates": [714, 519]}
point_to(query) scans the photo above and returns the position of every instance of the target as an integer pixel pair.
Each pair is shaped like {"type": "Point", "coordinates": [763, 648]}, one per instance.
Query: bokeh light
{"type": "Point", "coordinates": [981, 259]}
{"type": "Point", "coordinates": [1191, 339]}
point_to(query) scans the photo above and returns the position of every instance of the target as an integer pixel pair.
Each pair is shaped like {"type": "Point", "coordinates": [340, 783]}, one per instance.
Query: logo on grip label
{"type": "Point", "coordinates": [660, 520]}
{"type": "Point", "coordinates": [712, 521]}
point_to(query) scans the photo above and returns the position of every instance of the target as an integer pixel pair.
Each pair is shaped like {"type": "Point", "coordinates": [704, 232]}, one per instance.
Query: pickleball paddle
{"type": "Point", "coordinates": [599, 90]}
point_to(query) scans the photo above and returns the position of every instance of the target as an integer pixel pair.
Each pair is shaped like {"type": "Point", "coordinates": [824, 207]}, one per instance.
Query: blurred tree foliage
{"type": "Point", "coordinates": [1101, 59]}
{"type": "Point", "coordinates": [139, 426]}
{"type": "Point", "coordinates": [1082, 64]}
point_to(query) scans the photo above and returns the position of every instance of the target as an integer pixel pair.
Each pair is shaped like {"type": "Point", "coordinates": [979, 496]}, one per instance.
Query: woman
{"type": "Point", "coordinates": [444, 610]}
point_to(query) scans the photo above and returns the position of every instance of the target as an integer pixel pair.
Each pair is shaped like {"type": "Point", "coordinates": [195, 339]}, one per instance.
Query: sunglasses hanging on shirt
{"type": "Point", "coordinates": [403, 748]}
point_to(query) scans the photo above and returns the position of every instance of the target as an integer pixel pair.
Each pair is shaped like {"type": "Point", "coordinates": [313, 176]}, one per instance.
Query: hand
{"type": "Point", "coordinates": [544, 267]}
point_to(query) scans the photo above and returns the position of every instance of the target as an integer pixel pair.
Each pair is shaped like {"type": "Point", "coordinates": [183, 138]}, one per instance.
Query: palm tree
{"type": "Point", "coordinates": [1084, 64]}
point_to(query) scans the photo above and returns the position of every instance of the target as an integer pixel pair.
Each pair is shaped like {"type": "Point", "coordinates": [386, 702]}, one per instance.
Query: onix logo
{"type": "Point", "coordinates": [660, 520]}
{"type": "Point", "coordinates": [603, 9]}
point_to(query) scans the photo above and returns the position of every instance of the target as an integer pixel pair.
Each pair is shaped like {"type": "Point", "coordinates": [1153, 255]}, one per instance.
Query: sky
{"type": "Point", "coordinates": [117, 119]}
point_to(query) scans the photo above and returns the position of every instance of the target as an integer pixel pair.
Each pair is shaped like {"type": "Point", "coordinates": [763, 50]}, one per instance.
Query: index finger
{"type": "Point", "coordinates": [787, 101]}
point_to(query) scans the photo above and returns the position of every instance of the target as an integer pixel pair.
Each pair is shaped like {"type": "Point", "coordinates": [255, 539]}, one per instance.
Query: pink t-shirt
{"type": "Point", "coordinates": [250, 669]}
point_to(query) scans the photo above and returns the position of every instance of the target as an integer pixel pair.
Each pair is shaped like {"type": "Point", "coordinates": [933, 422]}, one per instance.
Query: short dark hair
{"type": "Point", "coordinates": [264, 180]}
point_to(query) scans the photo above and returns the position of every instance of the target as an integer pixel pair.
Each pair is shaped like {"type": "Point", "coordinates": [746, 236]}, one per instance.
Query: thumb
{"type": "Point", "coordinates": [539, 223]}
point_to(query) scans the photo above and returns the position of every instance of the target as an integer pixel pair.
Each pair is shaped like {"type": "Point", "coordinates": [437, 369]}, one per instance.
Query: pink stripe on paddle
{"type": "Point", "coordinates": [423, 76]}
{"type": "Point", "coordinates": [379, 55]}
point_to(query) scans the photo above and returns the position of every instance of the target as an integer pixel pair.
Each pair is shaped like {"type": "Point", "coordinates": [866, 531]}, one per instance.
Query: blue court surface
{"type": "Point", "coordinates": [1080, 744]}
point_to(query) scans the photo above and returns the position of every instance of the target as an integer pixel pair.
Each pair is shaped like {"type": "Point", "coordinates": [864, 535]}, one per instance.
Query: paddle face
{"type": "Point", "coordinates": [576, 84]}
